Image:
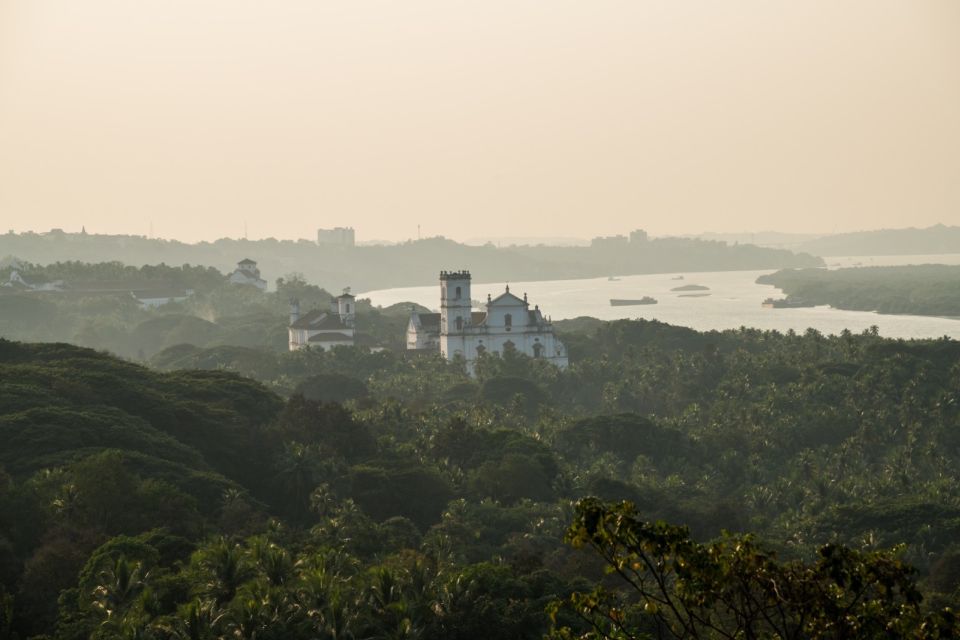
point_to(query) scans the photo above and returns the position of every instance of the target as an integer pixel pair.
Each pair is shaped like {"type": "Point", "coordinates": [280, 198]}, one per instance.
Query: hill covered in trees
{"type": "Point", "coordinates": [411, 263]}
{"type": "Point", "coordinates": [936, 239]}
{"type": "Point", "coordinates": [359, 494]}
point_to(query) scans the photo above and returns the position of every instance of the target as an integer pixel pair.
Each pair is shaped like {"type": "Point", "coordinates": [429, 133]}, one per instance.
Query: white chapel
{"type": "Point", "coordinates": [248, 273]}
{"type": "Point", "coordinates": [325, 329]}
{"type": "Point", "coordinates": [460, 332]}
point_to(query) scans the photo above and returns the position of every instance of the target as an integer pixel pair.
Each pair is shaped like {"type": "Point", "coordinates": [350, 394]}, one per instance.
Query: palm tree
{"type": "Point", "coordinates": [197, 620]}
{"type": "Point", "coordinates": [297, 472]}
{"type": "Point", "coordinates": [119, 585]}
{"type": "Point", "coordinates": [322, 500]}
{"type": "Point", "coordinates": [67, 502]}
{"type": "Point", "coordinates": [388, 600]}
{"type": "Point", "coordinates": [223, 568]}
{"type": "Point", "coordinates": [272, 561]}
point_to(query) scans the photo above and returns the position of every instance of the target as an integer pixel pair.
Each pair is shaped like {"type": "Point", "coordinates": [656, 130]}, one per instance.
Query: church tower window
{"type": "Point", "coordinates": [508, 320]}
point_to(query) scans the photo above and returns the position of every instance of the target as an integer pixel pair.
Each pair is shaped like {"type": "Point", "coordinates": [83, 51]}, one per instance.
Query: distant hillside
{"type": "Point", "coordinates": [410, 263]}
{"type": "Point", "coordinates": [195, 429]}
{"type": "Point", "coordinates": [936, 239]}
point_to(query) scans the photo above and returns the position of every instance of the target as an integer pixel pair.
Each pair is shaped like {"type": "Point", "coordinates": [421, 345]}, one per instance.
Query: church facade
{"type": "Point", "coordinates": [324, 329]}
{"type": "Point", "coordinates": [507, 324]}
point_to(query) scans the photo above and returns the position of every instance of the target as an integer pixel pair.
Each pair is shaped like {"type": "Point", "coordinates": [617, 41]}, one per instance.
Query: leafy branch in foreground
{"type": "Point", "coordinates": [666, 585]}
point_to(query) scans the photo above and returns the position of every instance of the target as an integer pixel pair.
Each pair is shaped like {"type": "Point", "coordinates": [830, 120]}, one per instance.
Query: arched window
{"type": "Point", "coordinates": [348, 307]}
{"type": "Point", "coordinates": [459, 323]}
{"type": "Point", "coordinates": [509, 347]}
{"type": "Point", "coordinates": [459, 293]}
{"type": "Point", "coordinates": [481, 350]}
{"type": "Point", "coordinates": [508, 321]}
{"type": "Point", "coordinates": [537, 350]}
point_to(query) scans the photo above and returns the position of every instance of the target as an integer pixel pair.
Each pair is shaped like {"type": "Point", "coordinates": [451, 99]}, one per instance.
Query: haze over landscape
{"type": "Point", "coordinates": [437, 320]}
{"type": "Point", "coordinates": [585, 119]}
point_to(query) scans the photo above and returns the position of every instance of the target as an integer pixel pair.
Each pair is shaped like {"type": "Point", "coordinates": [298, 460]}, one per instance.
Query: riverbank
{"type": "Point", "coordinates": [735, 302]}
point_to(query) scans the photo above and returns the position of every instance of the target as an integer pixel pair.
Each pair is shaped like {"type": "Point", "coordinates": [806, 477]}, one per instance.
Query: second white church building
{"type": "Point", "coordinates": [507, 324]}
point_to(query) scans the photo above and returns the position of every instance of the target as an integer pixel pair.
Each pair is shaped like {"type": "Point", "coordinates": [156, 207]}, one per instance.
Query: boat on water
{"type": "Point", "coordinates": [613, 279]}
{"type": "Point", "coordinates": [677, 278]}
{"type": "Point", "coordinates": [786, 303]}
{"type": "Point", "coordinates": [620, 302]}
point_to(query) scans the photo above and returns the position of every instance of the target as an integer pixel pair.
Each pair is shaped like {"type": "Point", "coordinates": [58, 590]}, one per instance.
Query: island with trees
{"type": "Point", "coordinates": [930, 290]}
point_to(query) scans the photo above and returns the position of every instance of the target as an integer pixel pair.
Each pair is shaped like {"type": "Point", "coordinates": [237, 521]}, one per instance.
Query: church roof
{"type": "Point", "coordinates": [507, 299]}
{"type": "Point", "coordinates": [247, 261]}
{"type": "Point", "coordinates": [331, 337]}
{"type": "Point", "coordinates": [317, 319]}
{"type": "Point", "coordinates": [429, 321]}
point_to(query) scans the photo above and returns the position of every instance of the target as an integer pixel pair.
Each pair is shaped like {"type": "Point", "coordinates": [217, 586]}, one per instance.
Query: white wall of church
{"type": "Point", "coordinates": [497, 317]}
{"type": "Point", "coordinates": [470, 346]}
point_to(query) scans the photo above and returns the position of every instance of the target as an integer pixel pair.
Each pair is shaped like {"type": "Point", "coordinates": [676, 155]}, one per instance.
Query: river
{"type": "Point", "coordinates": [734, 301]}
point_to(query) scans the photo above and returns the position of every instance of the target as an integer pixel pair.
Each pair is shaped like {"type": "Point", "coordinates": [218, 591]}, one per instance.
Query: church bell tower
{"type": "Point", "coordinates": [455, 301]}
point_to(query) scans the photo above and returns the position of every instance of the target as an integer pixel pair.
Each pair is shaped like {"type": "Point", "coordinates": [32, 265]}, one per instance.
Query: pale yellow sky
{"type": "Point", "coordinates": [484, 118]}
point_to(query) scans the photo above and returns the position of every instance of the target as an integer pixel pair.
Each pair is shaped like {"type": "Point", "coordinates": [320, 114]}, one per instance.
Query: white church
{"type": "Point", "coordinates": [248, 273]}
{"type": "Point", "coordinates": [460, 332]}
{"type": "Point", "coordinates": [325, 329]}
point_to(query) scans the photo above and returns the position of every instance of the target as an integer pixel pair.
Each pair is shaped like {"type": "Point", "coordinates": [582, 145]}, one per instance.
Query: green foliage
{"type": "Point", "coordinates": [331, 387]}
{"type": "Point", "coordinates": [672, 586]}
{"type": "Point", "coordinates": [425, 503]}
{"type": "Point", "coordinates": [408, 489]}
{"type": "Point", "coordinates": [507, 390]}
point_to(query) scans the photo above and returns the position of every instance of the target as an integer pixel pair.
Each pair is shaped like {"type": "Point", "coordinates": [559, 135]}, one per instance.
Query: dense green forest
{"type": "Point", "coordinates": [932, 289]}
{"type": "Point", "coordinates": [247, 493]}
{"type": "Point", "coordinates": [410, 263]}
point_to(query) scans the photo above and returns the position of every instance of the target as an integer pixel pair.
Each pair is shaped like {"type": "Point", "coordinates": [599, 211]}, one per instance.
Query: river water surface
{"type": "Point", "coordinates": [734, 301]}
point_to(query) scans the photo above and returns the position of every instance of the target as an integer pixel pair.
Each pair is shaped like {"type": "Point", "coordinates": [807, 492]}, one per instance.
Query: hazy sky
{"type": "Point", "coordinates": [484, 118]}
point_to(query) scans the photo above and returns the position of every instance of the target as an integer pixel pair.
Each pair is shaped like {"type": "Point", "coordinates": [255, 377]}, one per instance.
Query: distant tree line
{"type": "Point", "coordinates": [410, 263]}
{"type": "Point", "coordinates": [932, 290]}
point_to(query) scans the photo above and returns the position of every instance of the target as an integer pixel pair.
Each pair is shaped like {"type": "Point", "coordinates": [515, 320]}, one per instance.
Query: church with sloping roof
{"type": "Point", "coordinates": [507, 324]}
{"type": "Point", "coordinates": [325, 329]}
{"type": "Point", "coordinates": [248, 273]}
